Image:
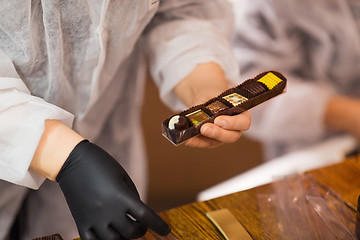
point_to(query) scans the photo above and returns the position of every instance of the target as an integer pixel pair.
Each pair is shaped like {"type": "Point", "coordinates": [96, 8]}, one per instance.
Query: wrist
{"type": "Point", "coordinates": [55, 145]}
{"type": "Point", "coordinates": [206, 81]}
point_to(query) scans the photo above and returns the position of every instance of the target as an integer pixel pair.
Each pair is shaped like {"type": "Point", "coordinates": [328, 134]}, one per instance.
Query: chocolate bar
{"type": "Point", "coordinates": [233, 101]}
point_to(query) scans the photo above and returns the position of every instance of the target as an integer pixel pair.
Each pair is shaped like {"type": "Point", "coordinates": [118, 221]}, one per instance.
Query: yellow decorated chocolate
{"type": "Point", "coordinates": [235, 99]}
{"type": "Point", "coordinates": [270, 80]}
{"type": "Point", "coordinates": [197, 117]}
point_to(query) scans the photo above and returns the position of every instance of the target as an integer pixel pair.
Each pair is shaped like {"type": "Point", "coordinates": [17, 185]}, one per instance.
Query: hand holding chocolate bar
{"type": "Point", "coordinates": [250, 93]}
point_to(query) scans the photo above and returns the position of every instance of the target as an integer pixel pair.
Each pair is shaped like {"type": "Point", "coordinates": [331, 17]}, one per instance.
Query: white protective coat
{"type": "Point", "coordinates": [316, 45]}
{"type": "Point", "coordinates": [82, 62]}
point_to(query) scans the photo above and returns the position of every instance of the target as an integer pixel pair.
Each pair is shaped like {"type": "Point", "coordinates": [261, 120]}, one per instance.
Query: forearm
{"type": "Point", "coordinates": [55, 145]}
{"type": "Point", "coordinates": [206, 81]}
{"type": "Point", "coordinates": [343, 114]}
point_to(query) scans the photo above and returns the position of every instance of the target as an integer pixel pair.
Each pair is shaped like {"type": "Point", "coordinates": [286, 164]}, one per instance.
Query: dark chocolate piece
{"type": "Point", "coordinates": [231, 102]}
{"type": "Point", "coordinates": [253, 88]}
{"type": "Point", "coordinates": [178, 123]}
{"type": "Point", "coordinates": [216, 107]}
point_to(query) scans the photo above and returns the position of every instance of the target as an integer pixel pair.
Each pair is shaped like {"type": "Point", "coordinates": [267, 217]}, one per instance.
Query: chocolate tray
{"type": "Point", "coordinates": [186, 124]}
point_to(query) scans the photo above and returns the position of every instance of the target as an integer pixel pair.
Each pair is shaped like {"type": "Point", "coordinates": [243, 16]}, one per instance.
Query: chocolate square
{"type": "Point", "coordinates": [252, 88]}
{"type": "Point", "coordinates": [197, 117]}
{"type": "Point", "coordinates": [235, 99]}
{"type": "Point", "coordinates": [216, 107]}
{"type": "Point", "coordinates": [270, 80]}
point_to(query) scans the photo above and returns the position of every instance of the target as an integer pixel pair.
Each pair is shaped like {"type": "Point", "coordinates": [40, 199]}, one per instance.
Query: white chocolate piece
{"type": "Point", "coordinates": [174, 120]}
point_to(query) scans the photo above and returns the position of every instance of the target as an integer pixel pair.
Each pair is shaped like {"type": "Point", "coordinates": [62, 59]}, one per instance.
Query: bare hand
{"type": "Point", "coordinates": [203, 83]}
{"type": "Point", "coordinates": [226, 129]}
{"type": "Point", "coordinates": [343, 114]}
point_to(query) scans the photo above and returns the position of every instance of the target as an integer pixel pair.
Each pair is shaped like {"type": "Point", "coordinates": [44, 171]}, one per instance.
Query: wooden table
{"type": "Point", "coordinates": [190, 222]}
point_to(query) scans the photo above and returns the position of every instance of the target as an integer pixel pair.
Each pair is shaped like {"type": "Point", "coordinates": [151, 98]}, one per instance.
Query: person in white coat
{"type": "Point", "coordinates": [73, 71]}
{"type": "Point", "coordinates": [316, 45]}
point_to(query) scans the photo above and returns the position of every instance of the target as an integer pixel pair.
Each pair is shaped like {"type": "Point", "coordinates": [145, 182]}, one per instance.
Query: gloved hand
{"type": "Point", "coordinates": [101, 196]}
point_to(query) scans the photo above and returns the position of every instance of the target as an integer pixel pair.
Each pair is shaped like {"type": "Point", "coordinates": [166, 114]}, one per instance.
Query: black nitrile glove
{"type": "Point", "coordinates": [101, 196]}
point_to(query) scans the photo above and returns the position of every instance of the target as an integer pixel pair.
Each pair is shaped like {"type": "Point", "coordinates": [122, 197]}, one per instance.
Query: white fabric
{"type": "Point", "coordinates": [187, 45]}
{"type": "Point", "coordinates": [316, 45]}
{"type": "Point", "coordinates": [86, 58]}
{"type": "Point", "coordinates": [80, 56]}
{"type": "Point", "coordinates": [22, 121]}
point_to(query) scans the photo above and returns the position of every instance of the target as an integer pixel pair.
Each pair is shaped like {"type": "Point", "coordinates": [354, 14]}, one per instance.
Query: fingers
{"type": "Point", "coordinates": [100, 232]}
{"type": "Point", "coordinates": [129, 229]}
{"type": "Point", "coordinates": [222, 135]}
{"type": "Point", "coordinates": [202, 142]}
{"type": "Point", "coordinates": [148, 217]}
{"type": "Point", "coordinates": [87, 235]}
{"type": "Point", "coordinates": [107, 232]}
{"type": "Point", "coordinates": [239, 122]}
{"type": "Point", "coordinates": [117, 227]}
{"type": "Point", "coordinates": [226, 129]}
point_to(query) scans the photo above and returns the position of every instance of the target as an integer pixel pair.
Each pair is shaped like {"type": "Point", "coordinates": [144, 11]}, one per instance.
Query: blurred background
{"type": "Point", "coordinates": [178, 173]}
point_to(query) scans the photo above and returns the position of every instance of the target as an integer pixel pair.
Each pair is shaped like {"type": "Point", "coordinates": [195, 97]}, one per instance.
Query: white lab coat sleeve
{"type": "Point", "coordinates": [184, 34]}
{"type": "Point", "coordinates": [22, 118]}
{"type": "Point", "coordinates": [261, 42]}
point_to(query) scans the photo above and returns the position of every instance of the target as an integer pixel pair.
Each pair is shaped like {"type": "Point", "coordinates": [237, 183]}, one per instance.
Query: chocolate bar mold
{"type": "Point", "coordinates": [231, 102]}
